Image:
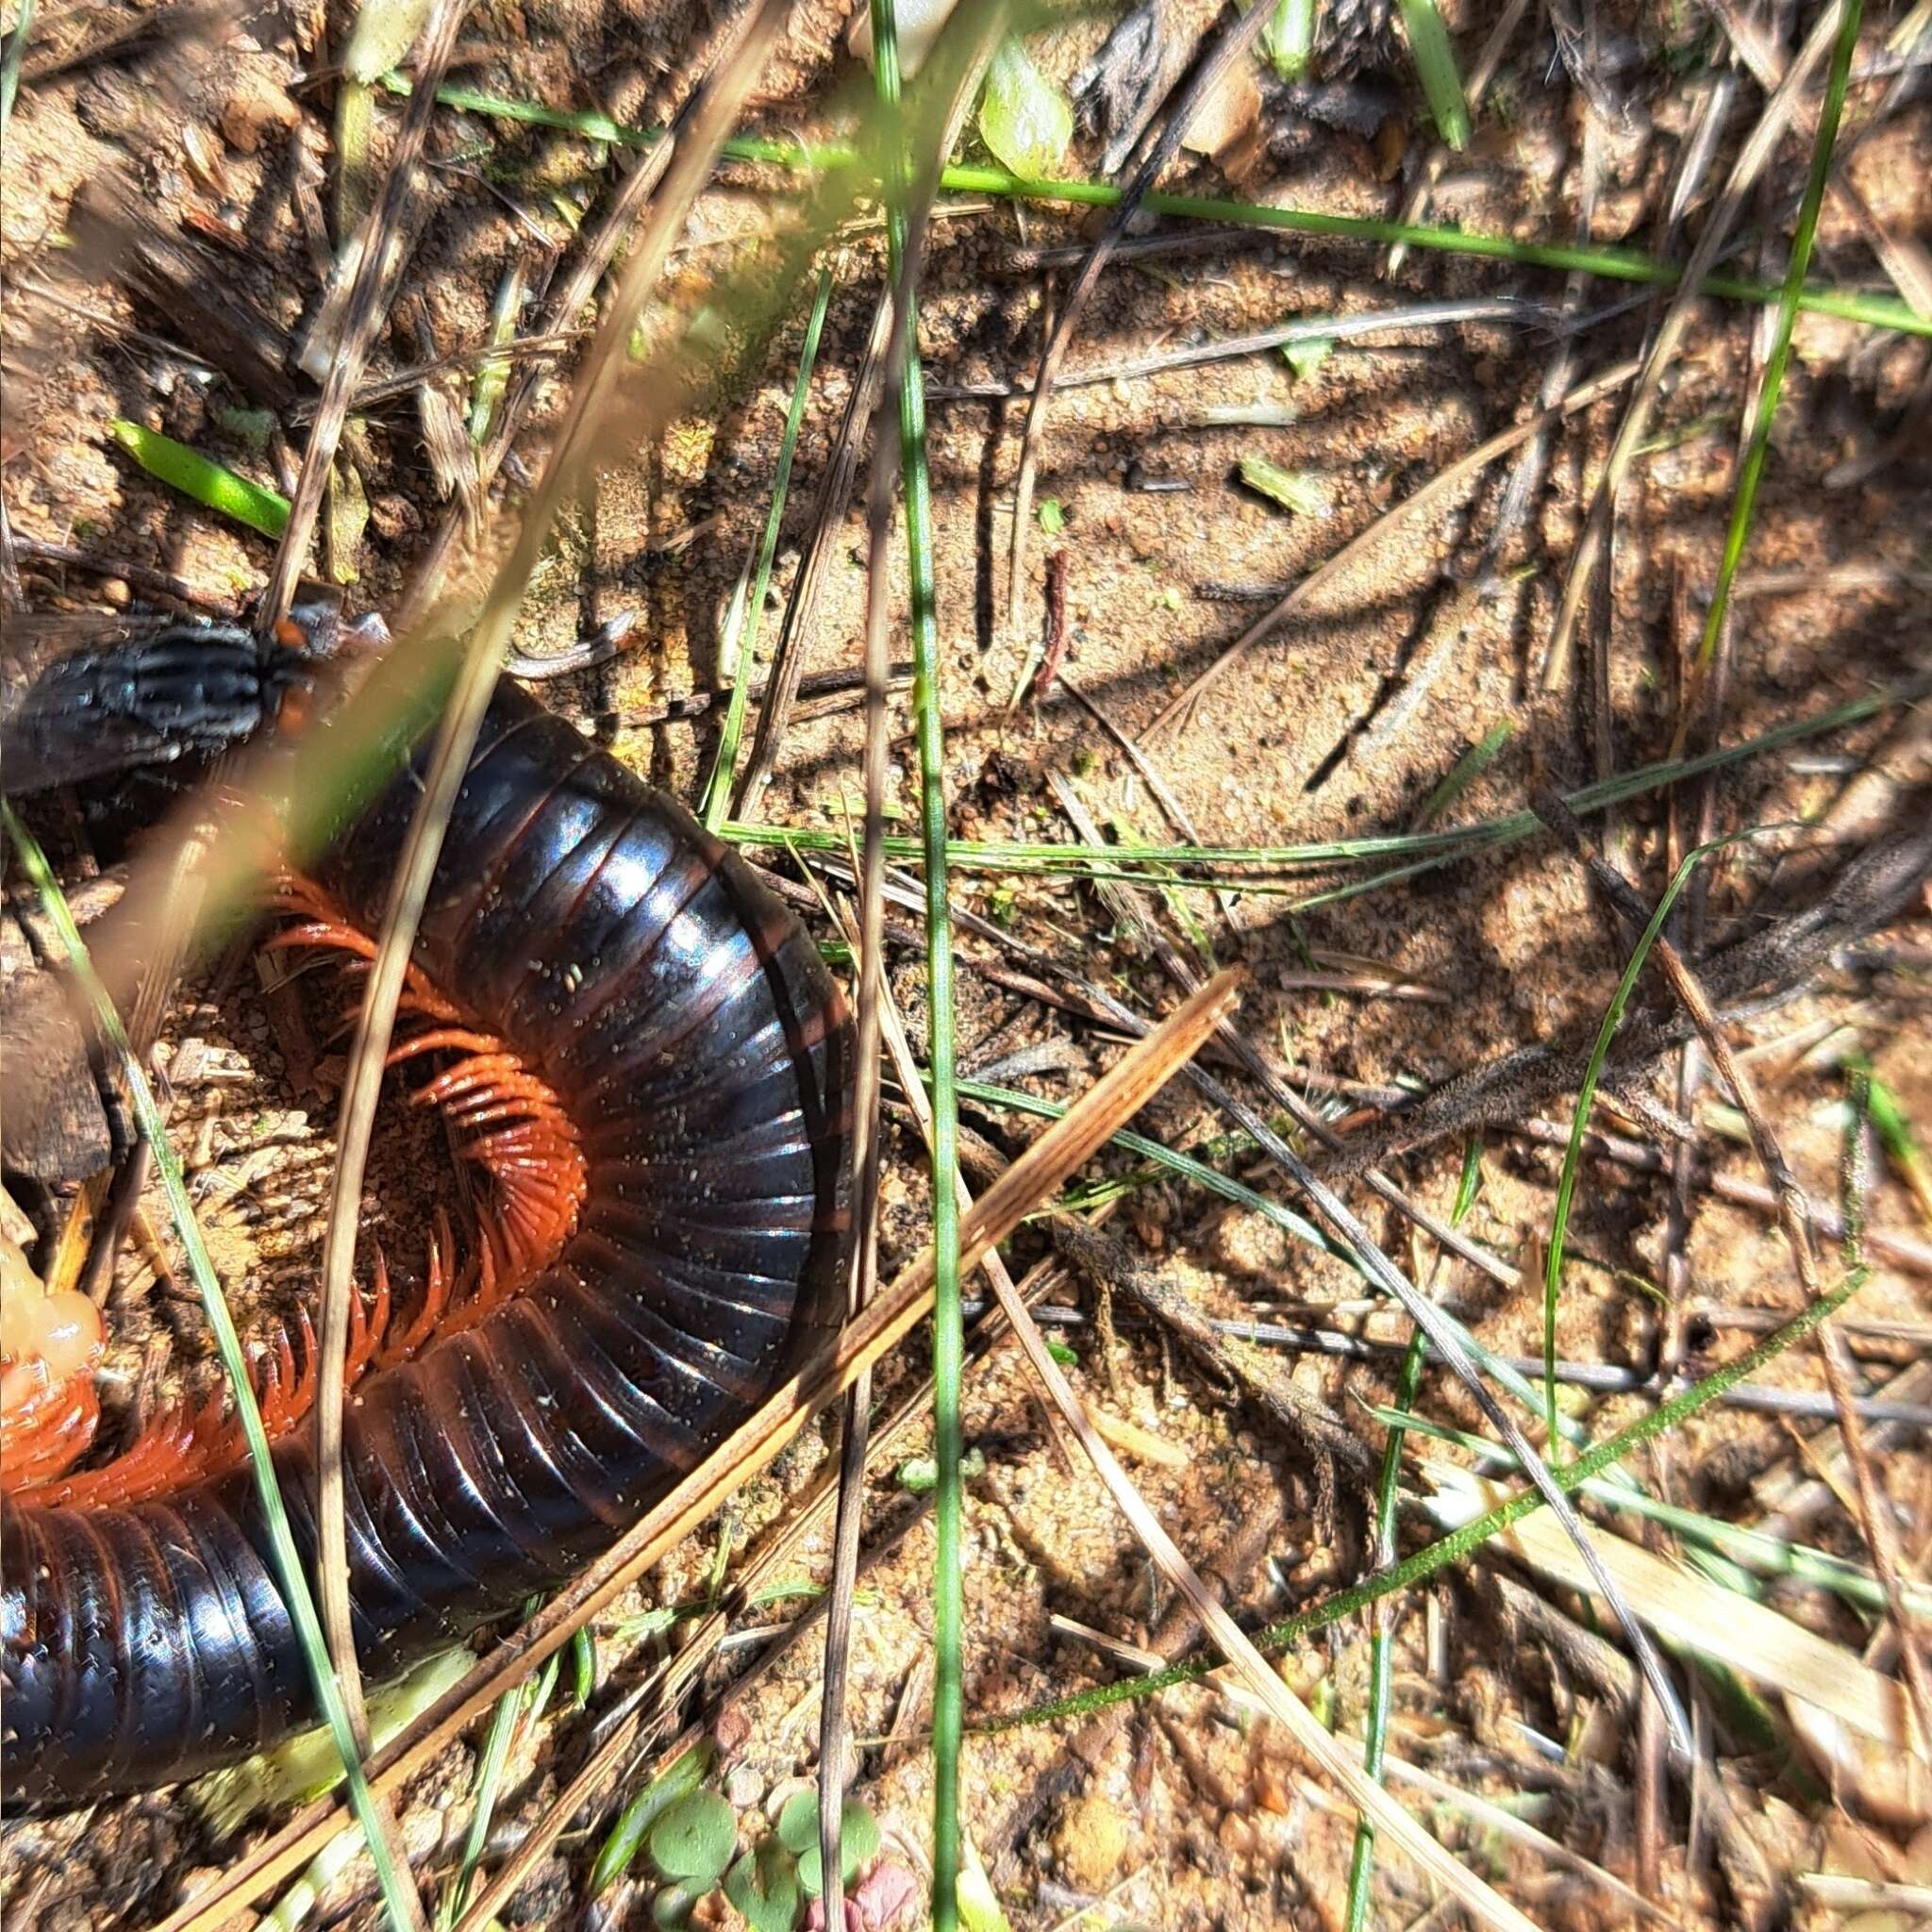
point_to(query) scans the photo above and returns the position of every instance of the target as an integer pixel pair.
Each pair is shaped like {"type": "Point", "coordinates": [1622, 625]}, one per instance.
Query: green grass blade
{"type": "Point", "coordinates": [192, 473]}
{"type": "Point", "coordinates": [1751, 470]}
{"type": "Point", "coordinates": [503, 1726]}
{"type": "Point", "coordinates": [1289, 39]}
{"type": "Point", "coordinates": [1573, 1154]}
{"type": "Point", "coordinates": [492, 373]}
{"type": "Point", "coordinates": [1428, 849]}
{"type": "Point", "coordinates": [1613, 264]}
{"type": "Point", "coordinates": [1469, 768]}
{"type": "Point", "coordinates": [949, 1343]}
{"type": "Point", "coordinates": [9, 68]}
{"type": "Point", "coordinates": [718, 793]}
{"type": "Point", "coordinates": [1435, 62]}
{"type": "Point", "coordinates": [287, 1560]}
{"type": "Point", "coordinates": [1460, 1543]}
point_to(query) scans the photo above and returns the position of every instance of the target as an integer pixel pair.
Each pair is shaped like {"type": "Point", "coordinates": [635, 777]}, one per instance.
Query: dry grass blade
{"type": "Point", "coordinates": [1751, 163]}
{"type": "Point", "coordinates": [1233, 46]}
{"type": "Point", "coordinates": [1357, 548]}
{"type": "Point", "coordinates": [829, 510]}
{"type": "Point", "coordinates": [1750, 1637]}
{"type": "Point", "coordinates": [870, 867]}
{"type": "Point", "coordinates": [1125, 1090]}
{"type": "Point", "coordinates": [364, 318]}
{"type": "Point", "coordinates": [713, 111]}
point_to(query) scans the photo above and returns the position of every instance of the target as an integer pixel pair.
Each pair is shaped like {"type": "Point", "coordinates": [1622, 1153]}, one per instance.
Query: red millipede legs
{"type": "Point", "coordinates": [506, 1121]}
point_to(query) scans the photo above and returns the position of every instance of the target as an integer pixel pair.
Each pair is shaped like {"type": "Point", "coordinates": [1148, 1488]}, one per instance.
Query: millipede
{"type": "Point", "coordinates": [642, 1051]}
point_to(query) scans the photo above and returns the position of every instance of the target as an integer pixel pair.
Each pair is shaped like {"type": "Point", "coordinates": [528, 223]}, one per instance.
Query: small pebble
{"type": "Point", "coordinates": [1093, 1841]}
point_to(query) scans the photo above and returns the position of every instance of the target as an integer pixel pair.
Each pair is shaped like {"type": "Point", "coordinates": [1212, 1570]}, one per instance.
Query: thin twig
{"type": "Point", "coordinates": [1309, 329]}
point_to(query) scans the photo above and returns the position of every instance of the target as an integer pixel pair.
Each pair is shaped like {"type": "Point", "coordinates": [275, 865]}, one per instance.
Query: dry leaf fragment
{"type": "Point", "coordinates": [1754, 1640]}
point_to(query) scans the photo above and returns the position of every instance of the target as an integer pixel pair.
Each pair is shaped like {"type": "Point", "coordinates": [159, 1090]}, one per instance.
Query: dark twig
{"type": "Point", "coordinates": [1901, 1250]}
{"type": "Point", "coordinates": [159, 584]}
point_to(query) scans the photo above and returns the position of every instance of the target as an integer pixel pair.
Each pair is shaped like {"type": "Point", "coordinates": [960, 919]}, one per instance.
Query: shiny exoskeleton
{"type": "Point", "coordinates": [702, 1054]}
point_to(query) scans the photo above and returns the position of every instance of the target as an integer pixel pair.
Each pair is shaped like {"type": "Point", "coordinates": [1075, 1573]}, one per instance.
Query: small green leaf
{"type": "Point", "coordinates": [1435, 62]}
{"type": "Point", "coordinates": [208, 483]}
{"type": "Point", "coordinates": [1307, 356]}
{"type": "Point", "coordinates": [583, 1655]}
{"type": "Point", "coordinates": [979, 1905]}
{"type": "Point", "coordinates": [1062, 1354]}
{"type": "Point", "coordinates": [1053, 517]}
{"type": "Point", "coordinates": [695, 1838]}
{"type": "Point", "coordinates": [1023, 118]}
{"type": "Point", "coordinates": [763, 1885]}
{"type": "Point", "coordinates": [919, 1475]}
{"type": "Point", "coordinates": [858, 1845]}
{"type": "Point", "coordinates": [1295, 491]}
{"type": "Point", "coordinates": [798, 1822]}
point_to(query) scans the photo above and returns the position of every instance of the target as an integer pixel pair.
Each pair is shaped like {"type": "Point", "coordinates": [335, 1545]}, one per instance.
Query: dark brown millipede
{"type": "Point", "coordinates": [653, 1067]}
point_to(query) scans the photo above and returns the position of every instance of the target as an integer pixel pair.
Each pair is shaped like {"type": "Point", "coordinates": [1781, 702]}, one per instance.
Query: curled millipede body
{"type": "Point", "coordinates": [659, 1069]}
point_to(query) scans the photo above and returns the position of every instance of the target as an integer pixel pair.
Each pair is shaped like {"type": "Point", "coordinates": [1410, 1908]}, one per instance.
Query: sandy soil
{"type": "Point", "coordinates": [1189, 1814]}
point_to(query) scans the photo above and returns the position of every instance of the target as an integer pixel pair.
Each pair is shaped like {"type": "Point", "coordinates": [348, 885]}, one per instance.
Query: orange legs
{"type": "Point", "coordinates": [508, 1122]}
